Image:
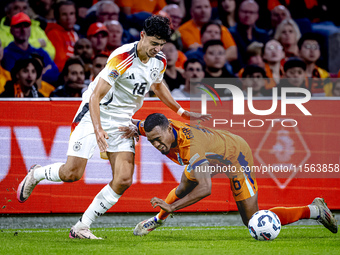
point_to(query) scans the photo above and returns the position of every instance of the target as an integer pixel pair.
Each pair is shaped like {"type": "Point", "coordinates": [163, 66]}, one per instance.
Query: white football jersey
{"type": "Point", "coordinates": [130, 80]}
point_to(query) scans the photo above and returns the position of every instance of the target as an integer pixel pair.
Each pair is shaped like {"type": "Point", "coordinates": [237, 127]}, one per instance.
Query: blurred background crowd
{"type": "Point", "coordinates": [55, 48]}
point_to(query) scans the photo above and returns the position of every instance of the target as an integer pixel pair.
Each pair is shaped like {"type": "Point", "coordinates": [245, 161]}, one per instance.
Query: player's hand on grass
{"type": "Point", "coordinates": [101, 137]}
{"type": "Point", "coordinates": [163, 205]}
{"type": "Point", "coordinates": [195, 116]}
{"type": "Point", "coordinates": [130, 131]}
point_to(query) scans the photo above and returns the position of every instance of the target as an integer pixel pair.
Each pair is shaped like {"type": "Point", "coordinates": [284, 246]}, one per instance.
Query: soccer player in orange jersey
{"type": "Point", "coordinates": [197, 147]}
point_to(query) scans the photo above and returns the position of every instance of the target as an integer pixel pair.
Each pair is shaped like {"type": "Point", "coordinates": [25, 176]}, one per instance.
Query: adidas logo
{"type": "Point", "coordinates": [132, 77]}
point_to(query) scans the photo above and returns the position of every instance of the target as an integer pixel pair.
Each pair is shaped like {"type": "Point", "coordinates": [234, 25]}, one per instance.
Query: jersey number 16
{"type": "Point", "coordinates": [139, 88]}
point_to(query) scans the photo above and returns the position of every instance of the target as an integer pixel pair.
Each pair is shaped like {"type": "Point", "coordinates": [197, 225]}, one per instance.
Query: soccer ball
{"type": "Point", "coordinates": [264, 225]}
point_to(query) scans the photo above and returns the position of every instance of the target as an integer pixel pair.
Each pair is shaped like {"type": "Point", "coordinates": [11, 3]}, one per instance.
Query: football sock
{"type": "Point", "coordinates": [162, 215]}
{"type": "Point", "coordinates": [49, 172]}
{"type": "Point", "coordinates": [291, 214]}
{"type": "Point", "coordinates": [104, 200]}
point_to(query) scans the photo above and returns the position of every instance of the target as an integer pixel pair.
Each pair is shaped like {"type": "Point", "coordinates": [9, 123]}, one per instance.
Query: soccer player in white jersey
{"type": "Point", "coordinates": [110, 102]}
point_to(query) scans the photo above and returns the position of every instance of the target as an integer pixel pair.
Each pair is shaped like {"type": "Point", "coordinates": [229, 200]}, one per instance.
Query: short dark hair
{"type": "Point", "coordinates": [155, 119]}
{"type": "Point", "coordinates": [157, 26]}
{"type": "Point", "coordinates": [294, 62]}
{"type": "Point", "coordinates": [310, 36]}
{"type": "Point", "coordinates": [100, 55]}
{"type": "Point", "coordinates": [192, 60]}
{"type": "Point", "coordinates": [211, 22]}
{"type": "Point", "coordinates": [251, 69]}
{"type": "Point", "coordinates": [58, 5]}
{"type": "Point", "coordinates": [211, 43]}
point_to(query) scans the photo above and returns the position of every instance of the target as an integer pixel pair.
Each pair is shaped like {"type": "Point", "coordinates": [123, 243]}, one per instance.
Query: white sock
{"type": "Point", "coordinates": [158, 219]}
{"type": "Point", "coordinates": [314, 212]}
{"type": "Point", "coordinates": [104, 200]}
{"type": "Point", "coordinates": [49, 172]}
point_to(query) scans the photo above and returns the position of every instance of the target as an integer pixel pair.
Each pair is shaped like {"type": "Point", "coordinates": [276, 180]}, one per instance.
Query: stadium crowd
{"type": "Point", "coordinates": [55, 48]}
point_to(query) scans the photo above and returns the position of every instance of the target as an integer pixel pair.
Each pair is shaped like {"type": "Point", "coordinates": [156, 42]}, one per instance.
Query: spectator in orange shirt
{"type": "Point", "coordinates": [62, 33]}
{"type": "Point", "coordinates": [190, 31]}
{"type": "Point", "coordinates": [24, 77]}
{"type": "Point", "coordinates": [134, 6]}
{"type": "Point", "coordinates": [98, 36]}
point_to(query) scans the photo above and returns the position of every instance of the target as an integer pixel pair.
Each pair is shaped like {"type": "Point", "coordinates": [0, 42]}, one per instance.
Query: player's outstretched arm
{"type": "Point", "coordinates": [202, 190]}
{"type": "Point", "coordinates": [97, 95]}
{"type": "Point", "coordinates": [165, 96]}
{"type": "Point", "coordinates": [130, 131]}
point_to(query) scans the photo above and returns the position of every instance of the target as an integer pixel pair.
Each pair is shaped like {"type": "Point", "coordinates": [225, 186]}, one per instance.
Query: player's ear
{"type": "Point", "coordinates": [142, 34]}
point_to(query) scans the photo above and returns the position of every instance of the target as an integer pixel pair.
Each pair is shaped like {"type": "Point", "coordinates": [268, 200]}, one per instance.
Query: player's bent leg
{"type": "Point", "coordinates": [73, 169]}
{"type": "Point", "coordinates": [247, 208]}
{"type": "Point", "coordinates": [122, 164]}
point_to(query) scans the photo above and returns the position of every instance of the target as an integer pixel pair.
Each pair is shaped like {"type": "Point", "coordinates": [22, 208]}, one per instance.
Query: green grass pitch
{"type": "Point", "coordinates": [171, 240]}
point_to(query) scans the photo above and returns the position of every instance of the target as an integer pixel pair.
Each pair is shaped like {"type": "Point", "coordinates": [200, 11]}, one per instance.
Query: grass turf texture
{"type": "Point", "coordinates": [170, 240]}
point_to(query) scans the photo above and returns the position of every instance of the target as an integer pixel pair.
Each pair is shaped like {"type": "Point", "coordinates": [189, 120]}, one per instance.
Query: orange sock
{"type": "Point", "coordinates": [291, 214]}
{"type": "Point", "coordinates": [162, 215]}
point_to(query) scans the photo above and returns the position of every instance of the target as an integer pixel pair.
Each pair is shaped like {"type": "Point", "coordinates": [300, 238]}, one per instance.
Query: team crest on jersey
{"type": "Point", "coordinates": [114, 74]}
{"type": "Point", "coordinates": [77, 146]}
{"type": "Point", "coordinates": [154, 73]}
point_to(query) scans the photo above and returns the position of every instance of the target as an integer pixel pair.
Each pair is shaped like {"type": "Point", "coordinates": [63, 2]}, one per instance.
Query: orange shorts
{"type": "Point", "coordinates": [242, 181]}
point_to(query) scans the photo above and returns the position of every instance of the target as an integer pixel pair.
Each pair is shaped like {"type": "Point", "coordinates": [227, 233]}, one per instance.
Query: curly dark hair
{"type": "Point", "coordinates": [157, 26]}
{"type": "Point", "coordinates": [155, 119]}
